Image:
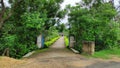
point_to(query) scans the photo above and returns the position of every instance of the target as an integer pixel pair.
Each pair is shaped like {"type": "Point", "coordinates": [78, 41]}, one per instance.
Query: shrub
{"type": "Point", "coordinates": [20, 37]}
{"type": "Point", "coordinates": [48, 43]}
{"type": "Point", "coordinates": [66, 41]}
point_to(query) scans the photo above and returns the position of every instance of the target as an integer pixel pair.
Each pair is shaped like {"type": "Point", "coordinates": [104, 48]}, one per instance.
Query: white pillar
{"type": "Point", "coordinates": [39, 41]}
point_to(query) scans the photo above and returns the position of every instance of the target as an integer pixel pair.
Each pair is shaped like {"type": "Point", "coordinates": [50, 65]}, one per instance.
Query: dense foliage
{"type": "Point", "coordinates": [51, 33]}
{"type": "Point", "coordinates": [60, 27]}
{"type": "Point", "coordinates": [95, 23]}
{"type": "Point", "coordinates": [28, 19]}
{"type": "Point", "coordinates": [21, 38]}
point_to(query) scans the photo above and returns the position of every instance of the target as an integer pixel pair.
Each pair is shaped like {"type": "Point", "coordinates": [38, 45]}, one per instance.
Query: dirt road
{"type": "Point", "coordinates": [57, 56]}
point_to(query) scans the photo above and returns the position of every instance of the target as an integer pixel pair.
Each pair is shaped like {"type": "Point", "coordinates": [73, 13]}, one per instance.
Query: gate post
{"type": "Point", "coordinates": [88, 47]}
{"type": "Point", "coordinates": [43, 41]}
{"type": "Point", "coordinates": [71, 41]}
{"type": "Point", "coordinates": [40, 41]}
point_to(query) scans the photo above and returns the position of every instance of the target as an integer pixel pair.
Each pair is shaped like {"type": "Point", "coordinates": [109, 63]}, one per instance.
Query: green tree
{"type": "Point", "coordinates": [93, 24]}
{"type": "Point", "coordinates": [61, 27]}
{"type": "Point", "coordinates": [28, 19]}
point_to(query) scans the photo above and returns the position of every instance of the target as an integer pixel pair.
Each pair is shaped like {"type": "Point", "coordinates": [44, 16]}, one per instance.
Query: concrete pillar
{"type": "Point", "coordinates": [88, 47]}
{"type": "Point", "coordinates": [72, 42]}
{"type": "Point", "coordinates": [39, 41]}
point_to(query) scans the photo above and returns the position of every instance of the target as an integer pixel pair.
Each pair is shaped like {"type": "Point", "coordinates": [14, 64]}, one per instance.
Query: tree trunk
{"type": "Point", "coordinates": [6, 52]}
{"type": "Point", "coordinates": [2, 13]}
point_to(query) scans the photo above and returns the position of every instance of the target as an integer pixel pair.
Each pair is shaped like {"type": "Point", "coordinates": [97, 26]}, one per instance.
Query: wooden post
{"type": "Point", "coordinates": [88, 47]}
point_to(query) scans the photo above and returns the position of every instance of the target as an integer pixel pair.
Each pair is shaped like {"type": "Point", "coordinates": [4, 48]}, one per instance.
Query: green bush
{"type": "Point", "coordinates": [48, 43]}
{"type": "Point", "coordinates": [21, 37]}
{"type": "Point", "coordinates": [66, 41]}
{"type": "Point", "coordinates": [95, 24]}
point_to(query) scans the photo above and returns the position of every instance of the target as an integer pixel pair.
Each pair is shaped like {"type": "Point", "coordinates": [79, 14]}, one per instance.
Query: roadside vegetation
{"type": "Point", "coordinates": [49, 43]}
{"type": "Point", "coordinates": [91, 20]}
{"type": "Point", "coordinates": [66, 41]}
{"type": "Point", "coordinates": [23, 21]}
{"type": "Point", "coordinates": [51, 36]}
{"type": "Point", "coordinates": [99, 23]}
{"type": "Point", "coordinates": [107, 54]}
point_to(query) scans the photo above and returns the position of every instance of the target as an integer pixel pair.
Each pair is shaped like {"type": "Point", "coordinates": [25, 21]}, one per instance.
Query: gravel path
{"type": "Point", "coordinates": [57, 56]}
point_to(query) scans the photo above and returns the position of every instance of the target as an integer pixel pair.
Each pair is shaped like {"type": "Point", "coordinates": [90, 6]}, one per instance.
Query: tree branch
{"type": "Point", "coordinates": [118, 7]}
{"type": "Point", "coordinates": [2, 12]}
{"type": "Point", "coordinates": [3, 8]}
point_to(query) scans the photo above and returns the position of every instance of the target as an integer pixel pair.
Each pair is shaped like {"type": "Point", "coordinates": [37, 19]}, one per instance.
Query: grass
{"type": "Point", "coordinates": [41, 50]}
{"type": "Point", "coordinates": [66, 41]}
{"type": "Point", "coordinates": [37, 51]}
{"type": "Point", "coordinates": [106, 54]}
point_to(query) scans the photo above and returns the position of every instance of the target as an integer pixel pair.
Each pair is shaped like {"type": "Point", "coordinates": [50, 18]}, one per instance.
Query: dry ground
{"type": "Point", "coordinates": [57, 56]}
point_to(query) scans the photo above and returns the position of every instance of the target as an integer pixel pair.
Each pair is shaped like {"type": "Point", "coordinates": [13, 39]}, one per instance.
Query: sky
{"type": "Point", "coordinates": [71, 2]}
{"type": "Point", "coordinates": [116, 2]}
{"type": "Point", "coordinates": [63, 5]}
{"type": "Point", "coordinates": [6, 3]}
